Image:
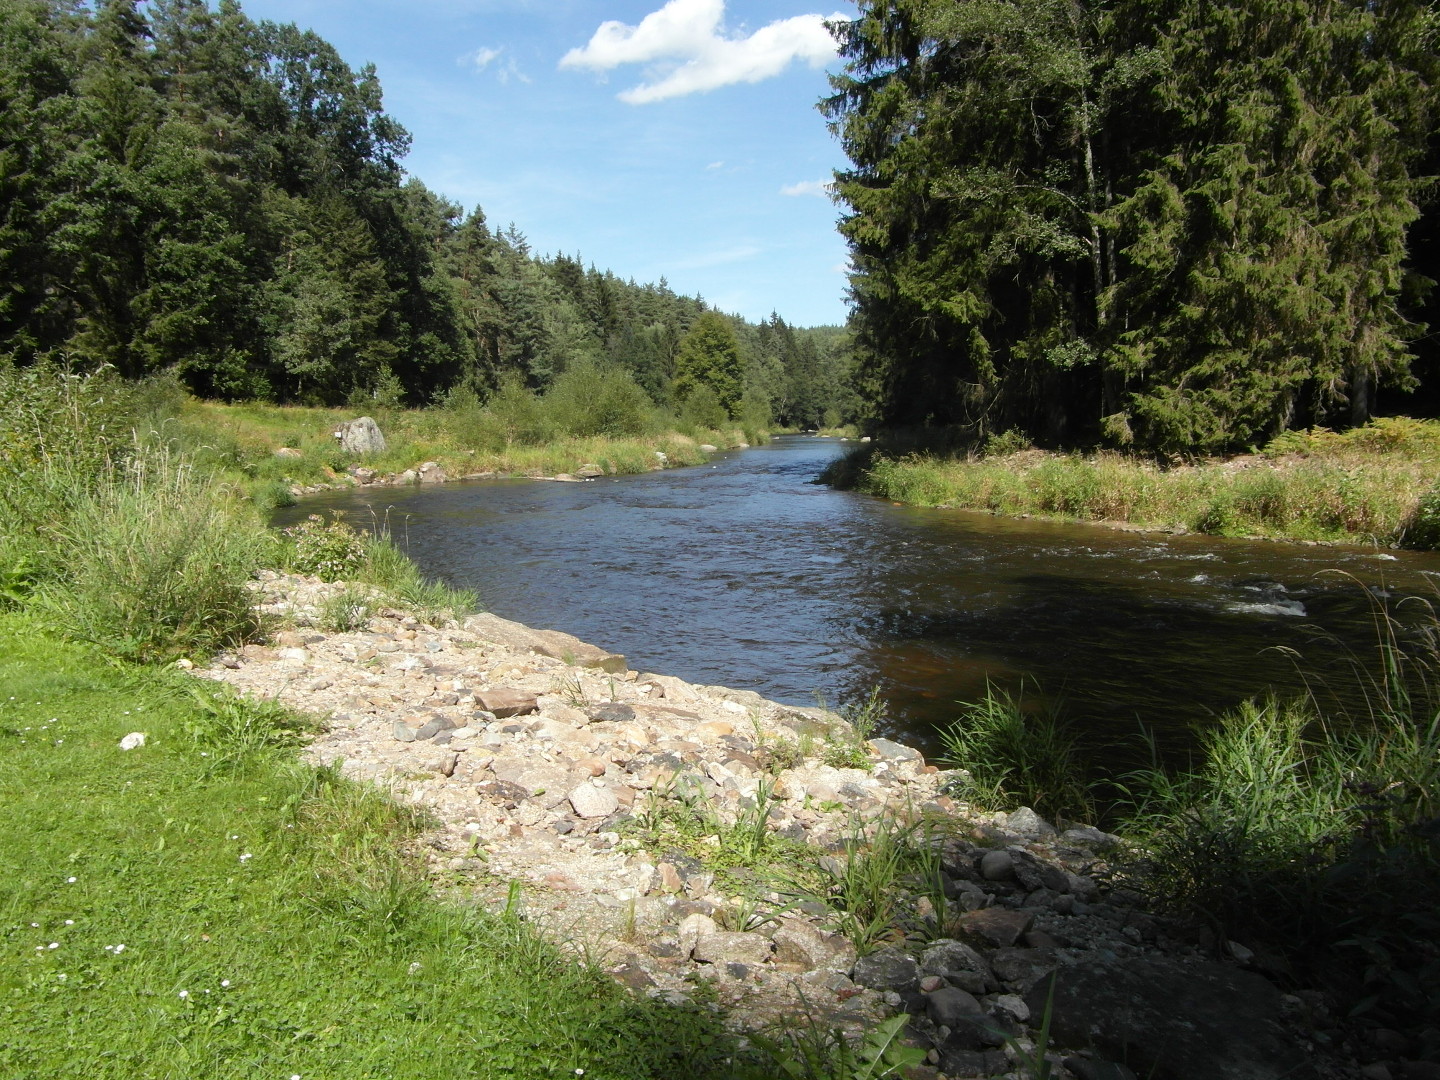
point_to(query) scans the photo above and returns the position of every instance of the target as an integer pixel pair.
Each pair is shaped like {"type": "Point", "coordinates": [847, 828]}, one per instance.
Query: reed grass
{"type": "Point", "coordinates": [465, 438]}
{"type": "Point", "coordinates": [1010, 754]}
{"type": "Point", "coordinates": [1375, 484]}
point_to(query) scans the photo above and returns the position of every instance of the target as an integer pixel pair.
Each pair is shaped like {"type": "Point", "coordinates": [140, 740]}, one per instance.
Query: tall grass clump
{"type": "Point", "coordinates": [153, 563]}
{"type": "Point", "coordinates": [865, 887]}
{"type": "Point", "coordinates": [334, 550]}
{"type": "Point", "coordinates": [1013, 754]}
{"type": "Point", "coordinates": [1317, 839]}
{"type": "Point", "coordinates": [118, 542]}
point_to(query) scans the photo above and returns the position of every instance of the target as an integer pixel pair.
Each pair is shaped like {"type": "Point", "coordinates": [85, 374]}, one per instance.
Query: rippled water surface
{"type": "Point", "coordinates": [744, 572]}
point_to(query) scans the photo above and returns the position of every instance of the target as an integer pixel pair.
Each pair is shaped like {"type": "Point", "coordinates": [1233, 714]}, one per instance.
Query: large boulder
{"type": "Point", "coordinates": [552, 643]}
{"type": "Point", "coordinates": [361, 436]}
{"type": "Point", "coordinates": [1172, 1021]}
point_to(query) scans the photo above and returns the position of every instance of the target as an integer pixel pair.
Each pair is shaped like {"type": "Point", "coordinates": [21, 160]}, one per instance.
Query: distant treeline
{"type": "Point", "coordinates": [1175, 226]}
{"type": "Point", "coordinates": [184, 189]}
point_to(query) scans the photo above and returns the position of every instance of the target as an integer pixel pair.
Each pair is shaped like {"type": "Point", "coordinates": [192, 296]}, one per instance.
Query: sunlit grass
{"type": "Point", "coordinates": [205, 905]}
{"type": "Point", "coordinates": [1362, 486]}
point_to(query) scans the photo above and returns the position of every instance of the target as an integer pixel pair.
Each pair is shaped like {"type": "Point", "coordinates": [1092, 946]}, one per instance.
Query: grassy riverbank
{"type": "Point", "coordinates": [1375, 484]}
{"type": "Point", "coordinates": [208, 904]}
{"type": "Point", "coordinates": [267, 450]}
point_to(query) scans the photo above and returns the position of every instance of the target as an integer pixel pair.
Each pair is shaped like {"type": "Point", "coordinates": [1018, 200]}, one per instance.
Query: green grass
{"type": "Point", "coordinates": [239, 442]}
{"type": "Point", "coordinates": [1009, 754]}
{"type": "Point", "coordinates": [1362, 486]}
{"type": "Point", "coordinates": [271, 925]}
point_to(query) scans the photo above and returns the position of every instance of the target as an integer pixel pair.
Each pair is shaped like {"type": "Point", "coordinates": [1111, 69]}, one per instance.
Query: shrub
{"type": "Point", "coordinates": [519, 416]}
{"type": "Point", "coordinates": [589, 399]}
{"type": "Point", "coordinates": [1422, 529]}
{"type": "Point", "coordinates": [702, 409]}
{"type": "Point", "coordinates": [331, 550]}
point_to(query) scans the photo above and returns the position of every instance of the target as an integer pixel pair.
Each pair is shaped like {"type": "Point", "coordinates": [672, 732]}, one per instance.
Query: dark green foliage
{"type": "Point", "coordinates": [185, 190]}
{"type": "Point", "coordinates": [1014, 754]}
{"type": "Point", "coordinates": [1180, 226]}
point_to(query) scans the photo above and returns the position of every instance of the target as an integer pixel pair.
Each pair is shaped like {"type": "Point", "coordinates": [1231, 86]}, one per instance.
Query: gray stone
{"type": "Point", "coordinates": [946, 1005]}
{"type": "Point", "coordinates": [887, 969]}
{"type": "Point", "coordinates": [1193, 1021]}
{"type": "Point", "coordinates": [589, 471]}
{"type": "Point", "coordinates": [504, 792]}
{"type": "Point", "coordinates": [434, 726]}
{"type": "Point", "coordinates": [617, 714]}
{"type": "Point", "coordinates": [551, 643]}
{"type": "Point", "coordinates": [1020, 969]}
{"type": "Point", "coordinates": [893, 751]}
{"type": "Point", "coordinates": [432, 473]}
{"type": "Point", "coordinates": [1033, 874]}
{"type": "Point", "coordinates": [590, 801]}
{"type": "Point", "coordinates": [800, 943]}
{"type": "Point", "coordinates": [997, 866]}
{"type": "Point", "coordinates": [1027, 823]}
{"type": "Point", "coordinates": [361, 436]}
{"type": "Point", "coordinates": [404, 732]}
{"type": "Point", "coordinates": [1087, 836]}
{"type": "Point", "coordinates": [948, 958]}
{"type": "Point", "coordinates": [729, 947]}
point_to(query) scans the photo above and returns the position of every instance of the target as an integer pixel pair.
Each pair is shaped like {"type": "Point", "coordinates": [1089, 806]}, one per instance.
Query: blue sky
{"type": "Point", "coordinates": [676, 139]}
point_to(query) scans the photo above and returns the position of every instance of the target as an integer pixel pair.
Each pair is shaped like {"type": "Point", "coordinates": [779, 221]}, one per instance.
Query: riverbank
{"type": "Point", "coordinates": [278, 453]}
{"type": "Point", "coordinates": [702, 840]}
{"type": "Point", "coordinates": [1373, 485]}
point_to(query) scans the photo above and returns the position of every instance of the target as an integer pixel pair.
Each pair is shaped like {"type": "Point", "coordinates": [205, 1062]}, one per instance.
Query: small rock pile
{"type": "Point", "coordinates": [536, 753]}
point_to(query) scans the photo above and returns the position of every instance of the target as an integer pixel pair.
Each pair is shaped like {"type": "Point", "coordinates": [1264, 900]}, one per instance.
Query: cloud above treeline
{"type": "Point", "coordinates": [687, 50]}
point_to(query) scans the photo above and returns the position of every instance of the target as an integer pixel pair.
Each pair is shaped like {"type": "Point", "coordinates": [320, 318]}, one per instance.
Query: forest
{"type": "Point", "coordinates": [1170, 227]}
{"type": "Point", "coordinates": [186, 190]}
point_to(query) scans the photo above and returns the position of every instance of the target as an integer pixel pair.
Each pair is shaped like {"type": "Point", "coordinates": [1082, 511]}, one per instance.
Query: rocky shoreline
{"type": "Point", "coordinates": [547, 761]}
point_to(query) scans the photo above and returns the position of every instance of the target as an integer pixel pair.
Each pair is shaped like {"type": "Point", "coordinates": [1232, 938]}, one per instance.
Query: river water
{"type": "Point", "coordinates": [744, 572]}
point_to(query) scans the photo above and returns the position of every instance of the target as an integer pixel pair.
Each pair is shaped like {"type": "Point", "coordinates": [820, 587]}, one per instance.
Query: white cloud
{"type": "Point", "coordinates": [715, 165]}
{"type": "Point", "coordinates": [722, 257]}
{"type": "Point", "coordinates": [819, 188]}
{"type": "Point", "coordinates": [687, 50]}
{"type": "Point", "coordinates": [483, 58]}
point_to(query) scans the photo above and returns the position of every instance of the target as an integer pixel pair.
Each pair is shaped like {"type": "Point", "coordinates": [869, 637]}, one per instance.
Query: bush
{"type": "Point", "coordinates": [330, 550]}
{"type": "Point", "coordinates": [702, 410]}
{"type": "Point", "coordinates": [1422, 529]}
{"type": "Point", "coordinates": [1312, 840]}
{"type": "Point", "coordinates": [591, 400]}
{"type": "Point", "coordinates": [1013, 754]}
{"type": "Point", "coordinates": [519, 416]}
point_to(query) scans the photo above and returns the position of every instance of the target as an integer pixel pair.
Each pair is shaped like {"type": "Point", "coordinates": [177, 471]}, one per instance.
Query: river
{"type": "Point", "coordinates": [746, 573]}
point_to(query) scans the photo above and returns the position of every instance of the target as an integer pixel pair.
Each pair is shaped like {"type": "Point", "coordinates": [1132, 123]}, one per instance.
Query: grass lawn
{"type": "Point", "coordinates": [208, 906]}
